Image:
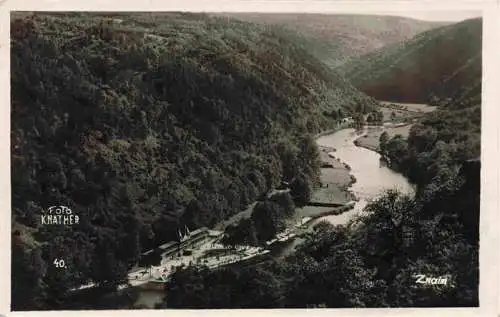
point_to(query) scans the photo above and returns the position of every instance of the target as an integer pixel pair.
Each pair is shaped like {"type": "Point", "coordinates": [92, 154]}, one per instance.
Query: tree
{"type": "Point", "coordinates": [107, 270]}
{"type": "Point", "coordinates": [397, 150]}
{"type": "Point", "coordinates": [383, 139]}
{"type": "Point", "coordinates": [244, 233]}
{"type": "Point", "coordinates": [130, 236]}
{"type": "Point", "coordinates": [359, 120]}
{"type": "Point", "coordinates": [308, 157]}
{"type": "Point", "coordinates": [27, 271]}
{"type": "Point", "coordinates": [267, 220]}
{"type": "Point", "coordinates": [380, 116]}
{"type": "Point", "coordinates": [422, 138]}
{"type": "Point", "coordinates": [301, 190]}
{"type": "Point", "coordinates": [263, 289]}
{"type": "Point", "coordinates": [285, 203]}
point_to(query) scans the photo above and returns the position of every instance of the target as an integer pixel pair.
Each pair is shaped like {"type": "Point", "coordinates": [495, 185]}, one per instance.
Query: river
{"type": "Point", "coordinates": [372, 176]}
{"type": "Point", "coordinates": [372, 179]}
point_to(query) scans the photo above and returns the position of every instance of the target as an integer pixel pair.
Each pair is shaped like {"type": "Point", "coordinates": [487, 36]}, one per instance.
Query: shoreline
{"type": "Point", "coordinates": [370, 139]}
{"type": "Point", "coordinates": [334, 212]}
{"type": "Point", "coordinates": [326, 132]}
{"type": "Point", "coordinates": [366, 146]}
{"type": "Point", "coordinates": [339, 181]}
{"type": "Point", "coordinates": [335, 176]}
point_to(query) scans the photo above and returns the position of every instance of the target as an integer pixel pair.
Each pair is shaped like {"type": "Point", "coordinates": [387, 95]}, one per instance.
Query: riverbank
{"type": "Point", "coordinates": [372, 177]}
{"type": "Point", "coordinates": [335, 180]}
{"type": "Point", "coordinates": [335, 212]}
{"type": "Point", "coordinates": [338, 185]}
{"type": "Point", "coordinates": [371, 138]}
{"type": "Point", "coordinates": [398, 119]}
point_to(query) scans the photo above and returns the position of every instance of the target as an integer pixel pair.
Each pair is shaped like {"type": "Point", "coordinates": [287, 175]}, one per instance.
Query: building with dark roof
{"type": "Point", "coordinates": [187, 241]}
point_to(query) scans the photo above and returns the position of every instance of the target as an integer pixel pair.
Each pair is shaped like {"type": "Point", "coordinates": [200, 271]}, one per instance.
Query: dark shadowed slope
{"type": "Point", "coordinates": [444, 62]}
{"type": "Point", "coordinates": [340, 37]}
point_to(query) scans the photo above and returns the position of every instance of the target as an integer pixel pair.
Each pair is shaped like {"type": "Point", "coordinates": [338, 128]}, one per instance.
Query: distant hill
{"type": "Point", "coordinates": [443, 62]}
{"type": "Point", "coordinates": [341, 37]}
{"type": "Point", "coordinates": [144, 123]}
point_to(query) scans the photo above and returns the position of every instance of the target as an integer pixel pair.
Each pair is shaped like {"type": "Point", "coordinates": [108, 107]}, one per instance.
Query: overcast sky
{"type": "Point", "coordinates": [437, 15]}
{"type": "Point", "coordinates": [426, 15]}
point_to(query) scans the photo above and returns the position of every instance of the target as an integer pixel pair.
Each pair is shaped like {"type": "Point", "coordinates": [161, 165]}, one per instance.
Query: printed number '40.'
{"type": "Point", "coordinates": [59, 263]}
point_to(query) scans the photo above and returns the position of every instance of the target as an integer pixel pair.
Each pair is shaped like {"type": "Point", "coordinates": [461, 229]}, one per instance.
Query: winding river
{"type": "Point", "coordinates": [372, 177]}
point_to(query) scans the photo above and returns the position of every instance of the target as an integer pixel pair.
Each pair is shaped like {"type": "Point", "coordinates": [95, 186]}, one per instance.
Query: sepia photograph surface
{"type": "Point", "coordinates": [235, 160]}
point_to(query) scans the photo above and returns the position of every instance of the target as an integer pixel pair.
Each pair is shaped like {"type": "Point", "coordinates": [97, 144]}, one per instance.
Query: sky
{"type": "Point", "coordinates": [422, 14]}
{"type": "Point", "coordinates": [452, 16]}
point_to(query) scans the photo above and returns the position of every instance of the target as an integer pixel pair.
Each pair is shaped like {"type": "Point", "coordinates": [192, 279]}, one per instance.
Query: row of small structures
{"type": "Point", "coordinates": [201, 246]}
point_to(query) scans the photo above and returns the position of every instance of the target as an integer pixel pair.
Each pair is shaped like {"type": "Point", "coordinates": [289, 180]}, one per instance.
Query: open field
{"type": "Point", "coordinates": [337, 176]}
{"type": "Point", "coordinates": [394, 113]}
{"type": "Point", "coordinates": [416, 107]}
{"type": "Point", "coordinates": [403, 112]}
{"type": "Point", "coordinates": [370, 139]}
{"type": "Point", "coordinates": [334, 183]}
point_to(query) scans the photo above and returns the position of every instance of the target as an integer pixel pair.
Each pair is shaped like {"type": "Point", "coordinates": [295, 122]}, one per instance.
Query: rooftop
{"type": "Point", "coordinates": [215, 233]}
{"type": "Point", "coordinates": [198, 231]}
{"type": "Point", "coordinates": [168, 245]}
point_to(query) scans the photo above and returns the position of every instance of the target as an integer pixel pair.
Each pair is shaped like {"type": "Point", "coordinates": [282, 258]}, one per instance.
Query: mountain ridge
{"type": "Point", "coordinates": [342, 36]}
{"type": "Point", "coordinates": [443, 62]}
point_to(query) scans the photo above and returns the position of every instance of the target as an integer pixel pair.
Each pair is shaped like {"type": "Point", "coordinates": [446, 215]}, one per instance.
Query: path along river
{"type": "Point", "coordinates": [372, 176]}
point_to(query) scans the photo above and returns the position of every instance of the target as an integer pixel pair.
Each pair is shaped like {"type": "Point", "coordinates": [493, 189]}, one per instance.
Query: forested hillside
{"type": "Point", "coordinates": [440, 63]}
{"type": "Point", "coordinates": [374, 260]}
{"type": "Point", "coordinates": [142, 124]}
{"type": "Point", "coordinates": [336, 38]}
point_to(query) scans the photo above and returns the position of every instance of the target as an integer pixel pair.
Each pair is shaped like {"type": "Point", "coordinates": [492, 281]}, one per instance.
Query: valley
{"type": "Point", "coordinates": [279, 161]}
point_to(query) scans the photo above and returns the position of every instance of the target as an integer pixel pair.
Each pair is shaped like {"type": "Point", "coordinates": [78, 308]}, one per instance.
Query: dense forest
{"type": "Point", "coordinates": [439, 64]}
{"type": "Point", "coordinates": [337, 38]}
{"type": "Point", "coordinates": [145, 123]}
{"type": "Point", "coordinates": [373, 261]}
